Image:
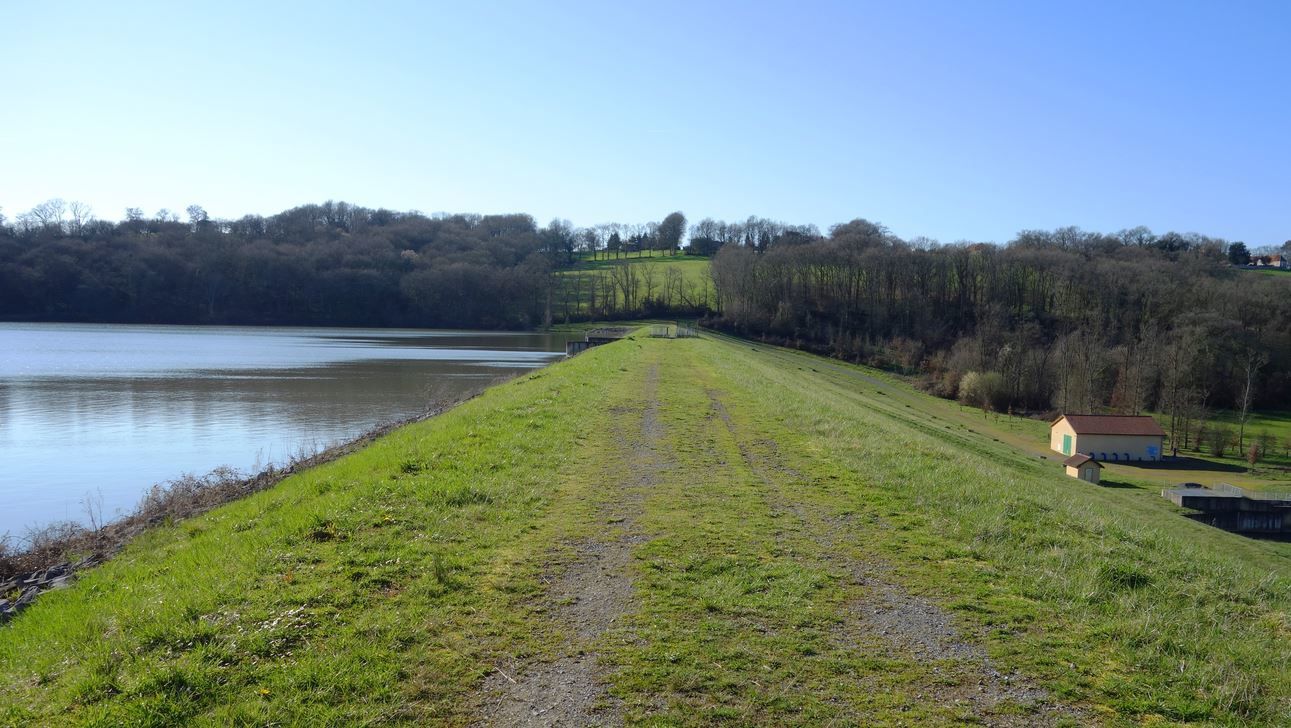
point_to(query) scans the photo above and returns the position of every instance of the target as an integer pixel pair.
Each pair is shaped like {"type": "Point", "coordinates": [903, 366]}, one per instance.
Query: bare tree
{"type": "Point", "coordinates": [1082, 365]}
{"type": "Point", "coordinates": [1136, 371]}
{"type": "Point", "coordinates": [1251, 362]}
{"type": "Point", "coordinates": [650, 279]}
{"type": "Point", "coordinates": [197, 217]}
{"type": "Point", "coordinates": [625, 279]}
{"type": "Point", "coordinates": [82, 215]}
{"type": "Point", "coordinates": [49, 214]}
{"type": "Point", "coordinates": [672, 288]}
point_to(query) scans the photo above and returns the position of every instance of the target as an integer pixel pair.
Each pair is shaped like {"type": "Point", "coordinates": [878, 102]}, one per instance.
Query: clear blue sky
{"type": "Point", "coordinates": [955, 120]}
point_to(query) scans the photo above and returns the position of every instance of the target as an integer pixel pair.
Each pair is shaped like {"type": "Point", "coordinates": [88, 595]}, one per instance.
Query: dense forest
{"type": "Point", "coordinates": [1053, 320]}
{"type": "Point", "coordinates": [1061, 320]}
{"type": "Point", "coordinates": [332, 264]}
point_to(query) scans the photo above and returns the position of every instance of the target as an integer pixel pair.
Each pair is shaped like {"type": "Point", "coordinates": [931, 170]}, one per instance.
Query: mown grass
{"type": "Point", "coordinates": [382, 588]}
{"type": "Point", "coordinates": [1272, 470]}
{"type": "Point", "coordinates": [573, 295]}
{"type": "Point", "coordinates": [1275, 272]}
{"type": "Point", "coordinates": [602, 260]}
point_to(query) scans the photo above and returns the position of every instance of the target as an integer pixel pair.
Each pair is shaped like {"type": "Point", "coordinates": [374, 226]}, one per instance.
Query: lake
{"type": "Point", "coordinates": [99, 413]}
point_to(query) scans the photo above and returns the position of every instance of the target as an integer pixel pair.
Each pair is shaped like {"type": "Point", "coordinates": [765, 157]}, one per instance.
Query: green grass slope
{"type": "Point", "coordinates": [682, 280]}
{"type": "Point", "coordinates": [793, 496]}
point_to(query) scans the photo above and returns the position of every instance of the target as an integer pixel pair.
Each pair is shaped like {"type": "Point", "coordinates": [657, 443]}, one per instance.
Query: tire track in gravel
{"type": "Point", "coordinates": [908, 626]}
{"type": "Point", "coordinates": [589, 594]}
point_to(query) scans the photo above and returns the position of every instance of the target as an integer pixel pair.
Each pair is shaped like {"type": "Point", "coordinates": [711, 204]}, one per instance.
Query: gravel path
{"type": "Point", "coordinates": [588, 597]}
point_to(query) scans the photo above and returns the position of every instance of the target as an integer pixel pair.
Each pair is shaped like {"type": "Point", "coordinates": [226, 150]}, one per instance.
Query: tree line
{"type": "Point", "coordinates": [1061, 320]}
{"type": "Point", "coordinates": [321, 264]}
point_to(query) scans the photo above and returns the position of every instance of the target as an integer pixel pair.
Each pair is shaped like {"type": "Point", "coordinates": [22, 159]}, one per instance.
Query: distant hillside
{"type": "Point", "coordinates": [1062, 321]}
{"type": "Point", "coordinates": [333, 264]}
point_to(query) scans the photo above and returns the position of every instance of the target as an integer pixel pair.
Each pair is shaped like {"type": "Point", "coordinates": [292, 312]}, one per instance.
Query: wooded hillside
{"type": "Point", "coordinates": [333, 264]}
{"type": "Point", "coordinates": [1061, 320]}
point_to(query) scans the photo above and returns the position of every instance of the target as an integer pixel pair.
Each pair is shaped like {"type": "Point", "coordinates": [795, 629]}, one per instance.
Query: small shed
{"type": "Point", "coordinates": [1083, 467]}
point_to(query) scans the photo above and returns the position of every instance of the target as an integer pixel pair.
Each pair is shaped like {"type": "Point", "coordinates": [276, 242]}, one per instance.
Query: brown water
{"type": "Point", "coordinates": [98, 413]}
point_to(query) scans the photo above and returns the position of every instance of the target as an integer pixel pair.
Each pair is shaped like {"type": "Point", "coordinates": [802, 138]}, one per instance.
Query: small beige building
{"type": "Point", "coordinates": [1108, 437]}
{"type": "Point", "coordinates": [1083, 467]}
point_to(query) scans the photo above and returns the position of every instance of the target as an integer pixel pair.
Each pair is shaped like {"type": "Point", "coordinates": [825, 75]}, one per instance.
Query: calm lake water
{"type": "Point", "coordinates": [105, 411]}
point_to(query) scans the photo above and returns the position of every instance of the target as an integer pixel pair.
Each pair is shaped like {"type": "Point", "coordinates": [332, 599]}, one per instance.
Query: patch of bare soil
{"type": "Point", "coordinates": [908, 625]}
{"type": "Point", "coordinates": [885, 614]}
{"type": "Point", "coordinates": [565, 692]}
{"type": "Point", "coordinates": [590, 593]}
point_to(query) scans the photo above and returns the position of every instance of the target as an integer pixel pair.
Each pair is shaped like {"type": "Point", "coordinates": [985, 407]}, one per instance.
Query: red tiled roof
{"type": "Point", "coordinates": [1079, 459]}
{"type": "Point", "coordinates": [1114, 425]}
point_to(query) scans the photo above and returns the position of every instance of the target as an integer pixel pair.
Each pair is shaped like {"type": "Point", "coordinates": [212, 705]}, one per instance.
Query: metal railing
{"type": "Point", "coordinates": [679, 331]}
{"type": "Point", "coordinates": [1261, 495]}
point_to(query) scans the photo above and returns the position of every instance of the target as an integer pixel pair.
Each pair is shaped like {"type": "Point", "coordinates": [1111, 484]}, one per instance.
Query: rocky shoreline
{"type": "Point", "coordinates": [24, 590]}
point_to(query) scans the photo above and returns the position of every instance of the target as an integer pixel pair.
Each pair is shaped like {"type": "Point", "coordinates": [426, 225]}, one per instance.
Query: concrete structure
{"type": "Point", "coordinates": [1083, 467]}
{"type": "Point", "coordinates": [1108, 437]}
{"type": "Point", "coordinates": [596, 337]}
{"type": "Point", "coordinates": [607, 334]}
{"type": "Point", "coordinates": [1254, 513]}
{"type": "Point", "coordinates": [576, 347]}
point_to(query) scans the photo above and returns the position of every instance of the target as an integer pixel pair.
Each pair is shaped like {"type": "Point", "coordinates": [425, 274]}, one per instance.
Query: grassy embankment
{"type": "Point", "coordinates": [790, 502]}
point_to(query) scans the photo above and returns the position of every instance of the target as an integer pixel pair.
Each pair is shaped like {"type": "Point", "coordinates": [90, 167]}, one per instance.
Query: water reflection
{"type": "Point", "coordinates": [112, 409]}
